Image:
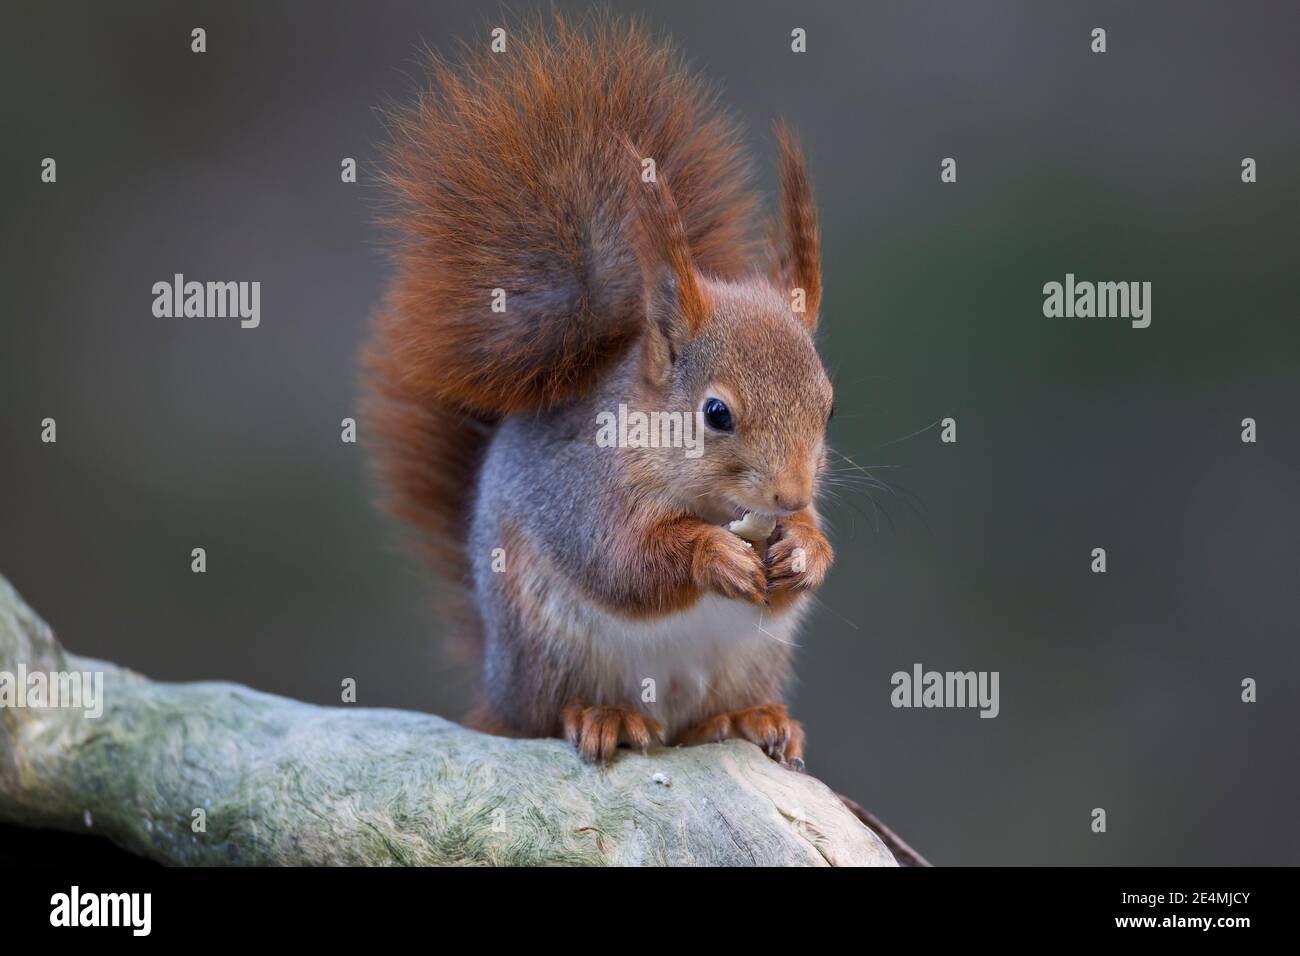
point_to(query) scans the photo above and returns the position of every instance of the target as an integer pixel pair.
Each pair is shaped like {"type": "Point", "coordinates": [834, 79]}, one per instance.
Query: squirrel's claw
{"type": "Point", "coordinates": [731, 566]}
{"type": "Point", "coordinates": [596, 732]}
{"type": "Point", "coordinates": [769, 726]}
{"type": "Point", "coordinates": [798, 560]}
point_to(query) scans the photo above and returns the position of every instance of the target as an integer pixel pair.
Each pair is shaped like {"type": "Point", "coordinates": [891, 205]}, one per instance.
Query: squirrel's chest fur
{"type": "Point", "coordinates": [713, 656]}
{"type": "Point", "coordinates": [548, 644]}
{"type": "Point", "coordinates": [716, 655]}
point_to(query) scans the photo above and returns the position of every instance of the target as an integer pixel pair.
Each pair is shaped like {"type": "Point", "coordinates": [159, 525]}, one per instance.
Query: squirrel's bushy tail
{"type": "Point", "coordinates": [511, 173]}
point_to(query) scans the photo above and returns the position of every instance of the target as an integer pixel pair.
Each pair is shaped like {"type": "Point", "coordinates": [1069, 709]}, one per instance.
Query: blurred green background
{"type": "Point", "coordinates": [1118, 691]}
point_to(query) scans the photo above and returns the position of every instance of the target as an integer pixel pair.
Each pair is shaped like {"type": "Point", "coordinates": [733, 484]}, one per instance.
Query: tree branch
{"type": "Point", "coordinates": [275, 781]}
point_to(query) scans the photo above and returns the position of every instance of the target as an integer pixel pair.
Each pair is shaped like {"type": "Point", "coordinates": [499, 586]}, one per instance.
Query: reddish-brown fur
{"type": "Point", "coordinates": [767, 725]}
{"type": "Point", "coordinates": [799, 262]}
{"type": "Point", "coordinates": [519, 171]}
{"type": "Point", "coordinates": [493, 128]}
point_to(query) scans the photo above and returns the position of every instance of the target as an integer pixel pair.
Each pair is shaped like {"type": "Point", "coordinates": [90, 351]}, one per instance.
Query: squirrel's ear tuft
{"type": "Point", "coordinates": [797, 257]}
{"type": "Point", "coordinates": [674, 300]}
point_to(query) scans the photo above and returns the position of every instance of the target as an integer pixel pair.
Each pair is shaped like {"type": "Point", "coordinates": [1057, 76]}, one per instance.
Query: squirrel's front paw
{"type": "Point", "coordinates": [730, 566]}
{"type": "Point", "coordinates": [798, 559]}
{"type": "Point", "coordinates": [597, 731]}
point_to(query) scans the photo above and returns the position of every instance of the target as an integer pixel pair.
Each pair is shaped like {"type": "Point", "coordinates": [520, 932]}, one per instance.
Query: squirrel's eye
{"type": "Point", "coordinates": [717, 415]}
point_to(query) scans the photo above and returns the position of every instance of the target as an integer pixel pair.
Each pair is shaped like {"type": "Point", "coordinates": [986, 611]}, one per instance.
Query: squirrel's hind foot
{"type": "Point", "coordinates": [597, 731]}
{"type": "Point", "coordinates": [770, 726]}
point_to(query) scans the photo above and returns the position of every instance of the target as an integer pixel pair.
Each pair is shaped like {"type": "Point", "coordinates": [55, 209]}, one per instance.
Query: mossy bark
{"type": "Point", "coordinates": [275, 781]}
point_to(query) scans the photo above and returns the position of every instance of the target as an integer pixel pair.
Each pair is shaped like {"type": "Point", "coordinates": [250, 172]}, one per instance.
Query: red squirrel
{"type": "Point", "coordinates": [609, 602]}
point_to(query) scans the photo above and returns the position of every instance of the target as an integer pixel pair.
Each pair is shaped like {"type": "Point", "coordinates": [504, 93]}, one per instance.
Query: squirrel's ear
{"type": "Point", "coordinates": [675, 304]}
{"type": "Point", "coordinates": [667, 326]}
{"type": "Point", "coordinates": [797, 258]}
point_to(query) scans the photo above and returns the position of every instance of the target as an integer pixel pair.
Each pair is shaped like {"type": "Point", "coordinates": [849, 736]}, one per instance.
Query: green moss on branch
{"type": "Point", "coordinates": [275, 781]}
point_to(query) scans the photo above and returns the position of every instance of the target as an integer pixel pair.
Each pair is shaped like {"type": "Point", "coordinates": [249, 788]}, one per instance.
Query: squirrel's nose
{"type": "Point", "coordinates": [790, 501]}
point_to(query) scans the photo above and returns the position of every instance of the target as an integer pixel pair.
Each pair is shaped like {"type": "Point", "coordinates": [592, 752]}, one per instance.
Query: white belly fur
{"type": "Point", "coordinates": [682, 653]}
